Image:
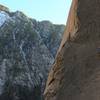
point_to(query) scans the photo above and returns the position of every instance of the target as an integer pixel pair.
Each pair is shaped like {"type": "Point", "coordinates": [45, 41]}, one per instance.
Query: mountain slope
{"type": "Point", "coordinates": [24, 57]}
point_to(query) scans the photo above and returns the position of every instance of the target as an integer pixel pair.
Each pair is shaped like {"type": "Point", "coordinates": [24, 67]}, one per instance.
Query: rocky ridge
{"type": "Point", "coordinates": [26, 54]}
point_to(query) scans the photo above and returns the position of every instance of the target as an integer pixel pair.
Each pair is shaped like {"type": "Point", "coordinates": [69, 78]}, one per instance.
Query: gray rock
{"type": "Point", "coordinates": [25, 57]}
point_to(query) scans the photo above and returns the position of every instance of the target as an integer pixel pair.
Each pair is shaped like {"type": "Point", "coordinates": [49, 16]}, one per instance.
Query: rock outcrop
{"type": "Point", "coordinates": [3, 8]}
{"type": "Point", "coordinates": [75, 74]}
{"type": "Point", "coordinates": [25, 59]}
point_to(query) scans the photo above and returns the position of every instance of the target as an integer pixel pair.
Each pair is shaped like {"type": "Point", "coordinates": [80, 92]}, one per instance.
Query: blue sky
{"type": "Point", "coordinates": [54, 10]}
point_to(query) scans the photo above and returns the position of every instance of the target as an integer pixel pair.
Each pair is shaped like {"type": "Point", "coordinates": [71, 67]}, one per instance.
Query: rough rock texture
{"type": "Point", "coordinates": [51, 35]}
{"type": "Point", "coordinates": [75, 74]}
{"type": "Point", "coordinates": [24, 57]}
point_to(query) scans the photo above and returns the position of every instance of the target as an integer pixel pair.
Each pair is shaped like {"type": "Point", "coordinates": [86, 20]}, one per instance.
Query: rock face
{"type": "Point", "coordinates": [51, 35]}
{"type": "Point", "coordinates": [25, 58]}
{"type": "Point", "coordinates": [75, 74]}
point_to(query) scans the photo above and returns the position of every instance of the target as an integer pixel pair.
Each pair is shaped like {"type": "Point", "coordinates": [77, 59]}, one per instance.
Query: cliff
{"type": "Point", "coordinates": [75, 74]}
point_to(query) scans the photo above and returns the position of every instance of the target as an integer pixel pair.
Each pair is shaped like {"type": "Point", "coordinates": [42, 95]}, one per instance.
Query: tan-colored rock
{"type": "Point", "coordinates": [75, 74]}
{"type": "Point", "coordinates": [3, 8]}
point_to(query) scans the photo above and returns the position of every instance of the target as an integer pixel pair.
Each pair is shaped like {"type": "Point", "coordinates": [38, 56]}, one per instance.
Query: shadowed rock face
{"type": "Point", "coordinates": [75, 74]}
